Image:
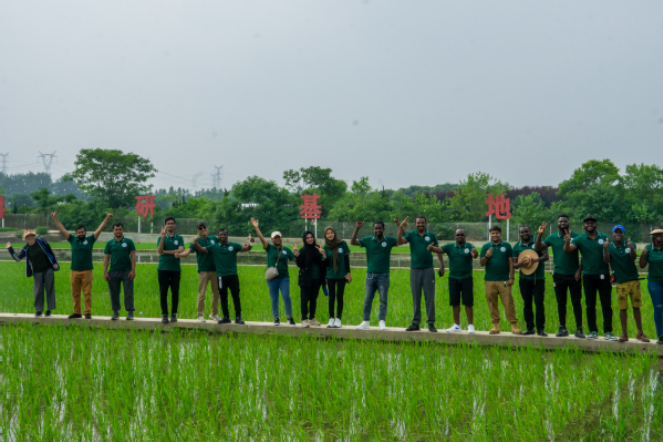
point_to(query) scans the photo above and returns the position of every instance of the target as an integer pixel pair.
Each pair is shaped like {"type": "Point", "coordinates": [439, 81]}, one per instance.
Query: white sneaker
{"type": "Point", "coordinates": [331, 323]}
{"type": "Point", "coordinates": [306, 323]}
{"type": "Point", "coordinates": [470, 328]}
{"type": "Point", "coordinates": [383, 326]}
{"type": "Point", "coordinates": [201, 319]}
{"type": "Point", "coordinates": [455, 329]}
{"type": "Point", "coordinates": [216, 318]}
{"type": "Point", "coordinates": [365, 325]}
{"type": "Point", "coordinates": [337, 323]}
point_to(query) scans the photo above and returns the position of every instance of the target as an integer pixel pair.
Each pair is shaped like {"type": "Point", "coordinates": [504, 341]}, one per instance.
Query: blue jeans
{"type": "Point", "coordinates": [379, 282]}
{"type": "Point", "coordinates": [275, 285]}
{"type": "Point", "coordinates": [656, 293]}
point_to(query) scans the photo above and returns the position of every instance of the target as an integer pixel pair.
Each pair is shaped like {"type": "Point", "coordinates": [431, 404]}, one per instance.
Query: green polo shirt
{"type": "Point", "coordinates": [497, 267]}
{"type": "Point", "coordinates": [540, 272]}
{"type": "Point", "coordinates": [81, 253]}
{"type": "Point", "coordinates": [655, 259]}
{"type": "Point", "coordinates": [420, 258]}
{"type": "Point", "coordinates": [592, 254]}
{"type": "Point", "coordinates": [565, 263]}
{"type": "Point", "coordinates": [225, 257]}
{"type": "Point", "coordinates": [273, 255]}
{"type": "Point", "coordinates": [343, 250]}
{"type": "Point", "coordinates": [460, 260]}
{"type": "Point", "coordinates": [169, 262]}
{"type": "Point", "coordinates": [120, 253]}
{"type": "Point", "coordinates": [621, 262]}
{"type": "Point", "coordinates": [205, 260]}
{"type": "Point", "coordinates": [378, 253]}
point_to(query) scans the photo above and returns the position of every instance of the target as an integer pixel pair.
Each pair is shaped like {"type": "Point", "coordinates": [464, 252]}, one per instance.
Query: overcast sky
{"type": "Point", "coordinates": [405, 92]}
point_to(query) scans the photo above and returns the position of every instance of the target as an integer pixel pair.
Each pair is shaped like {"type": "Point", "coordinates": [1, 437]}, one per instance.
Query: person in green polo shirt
{"type": "Point", "coordinates": [225, 253]}
{"type": "Point", "coordinates": [567, 274]}
{"type": "Point", "coordinates": [120, 254]}
{"type": "Point", "coordinates": [81, 263]}
{"type": "Point", "coordinates": [596, 275]}
{"type": "Point", "coordinates": [653, 255]}
{"type": "Point", "coordinates": [422, 273]}
{"type": "Point", "coordinates": [532, 285]}
{"type": "Point", "coordinates": [621, 256]}
{"type": "Point", "coordinates": [337, 275]}
{"type": "Point", "coordinates": [461, 283]}
{"type": "Point", "coordinates": [169, 246]}
{"type": "Point", "coordinates": [378, 256]}
{"type": "Point", "coordinates": [496, 258]}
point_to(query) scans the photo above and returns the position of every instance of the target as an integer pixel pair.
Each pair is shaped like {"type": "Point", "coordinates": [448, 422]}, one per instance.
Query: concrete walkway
{"type": "Point", "coordinates": [504, 339]}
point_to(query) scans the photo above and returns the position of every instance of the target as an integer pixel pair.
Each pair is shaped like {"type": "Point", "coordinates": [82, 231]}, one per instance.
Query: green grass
{"type": "Point", "coordinates": [75, 383]}
{"type": "Point", "coordinates": [16, 296]}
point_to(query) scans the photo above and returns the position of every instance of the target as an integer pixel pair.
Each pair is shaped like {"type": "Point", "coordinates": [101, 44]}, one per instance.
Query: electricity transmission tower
{"type": "Point", "coordinates": [216, 177]}
{"type": "Point", "coordinates": [4, 162]}
{"type": "Point", "coordinates": [47, 159]}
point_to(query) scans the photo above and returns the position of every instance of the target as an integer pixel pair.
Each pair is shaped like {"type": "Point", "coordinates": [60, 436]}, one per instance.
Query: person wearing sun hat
{"type": "Point", "coordinates": [653, 255]}
{"type": "Point", "coordinates": [40, 264]}
{"type": "Point", "coordinates": [621, 256]}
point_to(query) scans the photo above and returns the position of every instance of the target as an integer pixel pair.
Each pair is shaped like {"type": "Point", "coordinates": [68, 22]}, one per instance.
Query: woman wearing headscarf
{"type": "Point", "coordinates": [653, 255]}
{"type": "Point", "coordinates": [311, 262]}
{"type": "Point", "coordinates": [338, 273]}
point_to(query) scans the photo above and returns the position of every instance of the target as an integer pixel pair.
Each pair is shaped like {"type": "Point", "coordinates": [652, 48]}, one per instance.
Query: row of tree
{"type": "Point", "coordinates": [110, 180]}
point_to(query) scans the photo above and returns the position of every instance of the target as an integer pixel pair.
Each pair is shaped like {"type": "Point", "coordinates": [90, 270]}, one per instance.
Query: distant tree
{"type": "Point", "coordinates": [469, 201]}
{"type": "Point", "coordinates": [46, 201]}
{"type": "Point", "coordinates": [316, 180]}
{"type": "Point", "coordinates": [529, 210]}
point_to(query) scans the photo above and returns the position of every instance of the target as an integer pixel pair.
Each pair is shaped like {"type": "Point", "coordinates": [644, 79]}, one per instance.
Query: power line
{"type": "Point", "coordinates": [47, 162]}
{"type": "Point", "coordinates": [4, 162]}
{"type": "Point", "coordinates": [216, 177]}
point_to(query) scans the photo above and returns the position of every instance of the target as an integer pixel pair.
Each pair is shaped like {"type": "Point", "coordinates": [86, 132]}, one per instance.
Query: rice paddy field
{"type": "Point", "coordinates": [79, 384]}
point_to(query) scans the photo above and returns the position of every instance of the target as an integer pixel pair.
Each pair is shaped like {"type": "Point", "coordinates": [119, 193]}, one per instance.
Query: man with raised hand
{"type": "Point", "coordinates": [596, 275]}
{"type": "Point", "coordinates": [378, 255]}
{"type": "Point", "coordinates": [566, 274]}
{"type": "Point", "coordinates": [225, 261]}
{"type": "Point", "coordinates": [422, 274]}
{"type": "Point", "coordinates": [81, 263]}
{"type": "Point", "coordinates": [169, 246]}
{"type": "Point", "coordinates": [532, 285]}
{"type": "Point", "coordinates": [206, 273]}
{"type": "Point", "coordinates": [621, 256]}
{"type": "Point", "coordinates": [496, 258]}
{"type": "Point", "coordinates": [120, 253]}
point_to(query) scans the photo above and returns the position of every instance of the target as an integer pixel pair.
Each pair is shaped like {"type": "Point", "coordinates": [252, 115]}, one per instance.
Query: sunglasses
{"type": "Point", "coordinates": [202, 228]}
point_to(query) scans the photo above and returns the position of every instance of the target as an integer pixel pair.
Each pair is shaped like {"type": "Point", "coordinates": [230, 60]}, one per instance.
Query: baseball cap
{"type": "Point", "coordinates": [276, 233]}
{"type": "Point", "coordinates": [619, 227]}
{"type": "Point", "coordinates": [589, 218]}
{"type": "Point", "coordinates": [200, 224]}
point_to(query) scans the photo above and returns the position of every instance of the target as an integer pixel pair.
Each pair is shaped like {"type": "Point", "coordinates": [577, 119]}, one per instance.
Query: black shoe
{"type": "Point", "coordinates": [38, 314]}
{"type": "Point", "coordinates": [431, 328]}
{"type": "Point", "coordinates": [277, 321]}
{"type": "Point", "coordinates": [291, 322]}
{"type": "Point", "coordinates": [226, 320]}
{"type": "Point", "coordinates": [48, 313]}
{"type": "Point", "coordinates": [528, 332]}
{"type": "Point", "coordinates": [562, 332]}
{"type": "Point", "coordinates": [542, 333]}
{"type": "Point", "coordinates": [173, 318]}
{"type": "Point", "coordinates": [164, 319]}
{"type": "Point", "coordinates": [75, 316]}
{"type": "Point", "coordinates": [660, 341]}
{"type": "Point", "coordinates": [88, 316]}
{"type": "Point", "coordinates": [239, 320]}
{"type": "Point", "coordinates": [579, 334]}
{"type": "Point", "coordinates": [413, 327]}
{"type": "Point", "coordinates": [116, 316]}
{"type": "Point", "coordinates": [130, 316]}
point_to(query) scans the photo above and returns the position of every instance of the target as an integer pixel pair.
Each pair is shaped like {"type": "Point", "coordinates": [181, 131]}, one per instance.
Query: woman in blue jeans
{"type": "Point", "coordinates": [653, 254]}
{"type": "Point", "coordinates": [278, 255]}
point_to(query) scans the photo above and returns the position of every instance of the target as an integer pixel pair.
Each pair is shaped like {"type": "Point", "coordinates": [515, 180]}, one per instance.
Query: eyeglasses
{"type": "Point", "coordinates": [202, 228]}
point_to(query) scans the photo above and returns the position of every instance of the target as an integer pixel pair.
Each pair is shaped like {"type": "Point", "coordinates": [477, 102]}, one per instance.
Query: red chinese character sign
{"type": "Point", "coordinates": [2, 210]}
{"type": "Point", "coordinates": [311, 209]}
{"type": "Point", "coordinates": [501, 208]}
{"type": "Point", "coordinates": [145, 205]}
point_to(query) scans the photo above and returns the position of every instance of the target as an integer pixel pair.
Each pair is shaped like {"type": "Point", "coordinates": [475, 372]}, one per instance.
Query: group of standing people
{"type": "Point", "coordinates": [327, 268]}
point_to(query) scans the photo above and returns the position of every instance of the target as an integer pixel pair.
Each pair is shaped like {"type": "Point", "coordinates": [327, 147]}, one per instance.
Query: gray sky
{"type": "Point", "coordinates": [405, 92]}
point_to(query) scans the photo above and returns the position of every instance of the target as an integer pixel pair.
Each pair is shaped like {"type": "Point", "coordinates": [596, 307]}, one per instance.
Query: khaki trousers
{"type": "Point", "coordinates": [203, 279]}
{"type": "Point", "coordinates": [495, 289]}
{"type": "Point", "coordinates": [81, 279]}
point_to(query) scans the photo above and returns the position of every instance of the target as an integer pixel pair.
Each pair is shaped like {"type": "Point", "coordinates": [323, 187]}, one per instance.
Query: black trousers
{"type": "Point", "coordinates": [564, 283]}
{"type": "Point", "coordinates": [230, 282]}
{"type": "Point", "coordinates": [310, 298]}
{"type": "Point", "coordinates": [335, 296]}
{"type": "Point", "coordinates": [533, 290]}
{"type": "Point", "coordinates": [593, 284]}
{"type": "Point", "coordinates": [169, 279]}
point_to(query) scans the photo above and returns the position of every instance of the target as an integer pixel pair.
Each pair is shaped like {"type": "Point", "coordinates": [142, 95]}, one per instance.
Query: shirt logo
{"type": "Point", "coordinates": [284, 252]}
{"type": "Point", "coordinates": [211, 242]}
{"type": "Point", "coordinates": [532, 245]}
{"type": "Point", "coordinates": [467, 250]}
{"type": "Point", "coordinates": [628, 250]}
{"type": "Point", "coordinates": [427, 238]}
{"type": "Point", "coordinates": [175, 242]}
{"type": "Point", "coordinates": [340, 250]}
{"type": "Point", "coordinates": [601, 241]}
{"type": "Point", "coordinates": [124, 244]}
{"type": "Point", "coordinates": [502, 249]}
{"type": "Point", "coordinates": [384, 244]}
{"type": "Point", "coordinates": [231, 248]}
{"type": "Point", "coordinates": [85, 242]}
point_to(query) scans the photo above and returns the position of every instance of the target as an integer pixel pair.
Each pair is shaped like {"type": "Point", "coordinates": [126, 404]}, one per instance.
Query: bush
{"type": "Point", "coordinates": [41, 230]}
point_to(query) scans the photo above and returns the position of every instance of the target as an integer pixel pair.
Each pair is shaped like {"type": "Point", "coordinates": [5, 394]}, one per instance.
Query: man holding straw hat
{"type": "Point", "coordinates": [40, 264]}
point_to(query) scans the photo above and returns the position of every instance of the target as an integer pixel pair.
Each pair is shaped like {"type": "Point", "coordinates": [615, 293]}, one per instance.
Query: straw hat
{"type": "Point", "coordinates": [656, 231]}
{"type": "Point", "coordinates": [529, 253]}
{"type": "Point", "coordinates": [28, 232]}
